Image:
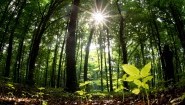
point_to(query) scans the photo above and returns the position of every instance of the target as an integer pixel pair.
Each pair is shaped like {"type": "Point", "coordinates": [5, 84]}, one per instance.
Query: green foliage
{"type": "Point", "coordinates": [138, 77]}
{"type": "Point", "coordinates": [10, 86]}
{"type": "Point", "coordinates": [82, 92]}
{"type": "Point", "coordinates": [44, 102]}
{"type": "Point", "coordinates": [40, 93]}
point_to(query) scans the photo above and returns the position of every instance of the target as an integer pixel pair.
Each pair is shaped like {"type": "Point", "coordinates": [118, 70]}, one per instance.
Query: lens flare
{"type": "Point", "coordinates": [98, 17]}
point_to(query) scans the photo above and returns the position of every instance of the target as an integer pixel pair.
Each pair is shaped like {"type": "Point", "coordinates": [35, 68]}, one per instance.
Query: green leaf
{"type": "Point", "coordinates": [82, 84]}
{"type": "Point", "coordinates": [138, 82]}
{"type": "Point", "coordinates": [144, 85]}
{"type": "Point", "coordinates": [88, 82]}
{"type": "Point", "coordinates": [80, 92]}
{"type": "Point", "coordinates": [130, 78]}
{"type": "Point", "coordinates": [131, 70]}
{"type": "Point", "coordinates": [136, 91]}
{"type": "Point", "coordinates": [145, 71]}
{"type": "Point", "coordinates": [41, 88]}
{"type": "Point", "coordinates": [85, 83]}
{"type": "Point", "coordinates": [148, 78]}
{"type": "Point", "coordinates": [124, 77]}
{"type": "Point", "coordinates": [120, 88]}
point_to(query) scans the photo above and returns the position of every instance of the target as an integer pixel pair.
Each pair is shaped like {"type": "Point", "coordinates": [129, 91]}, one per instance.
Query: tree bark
{"type": "Point", "coordinates": [71, 79]}
{"type": "Point", "coordinates": [53, 71]}
{"type": "Point", "coordinates": [87, 55]}
{"type": "Point", "coordinates": [47, 66]}
{"type": "Point", "coordinates": [179, 24]}
{"type": "Point", "coordinates": [122, 40]}
{"type": "Point", "coordinates": [101, 59]}
{"type": "Point", "coordinates": [109, 60]}
{"type": "Point", "coordinates": [106, 71]}
{"type": "Point", "coordinates": [60, 62]}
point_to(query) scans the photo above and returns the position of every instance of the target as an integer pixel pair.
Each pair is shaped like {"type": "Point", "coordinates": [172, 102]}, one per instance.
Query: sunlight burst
{"type": "Point", "coordinates": [98, 17]}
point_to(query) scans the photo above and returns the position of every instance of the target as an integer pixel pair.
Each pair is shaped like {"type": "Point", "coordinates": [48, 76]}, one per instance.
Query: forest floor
{"type": "Point", "coordinates": [16, 94]}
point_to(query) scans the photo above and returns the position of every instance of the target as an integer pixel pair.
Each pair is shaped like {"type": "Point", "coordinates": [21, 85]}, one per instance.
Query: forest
{"type": "Point", "coordinates": [92, 52]}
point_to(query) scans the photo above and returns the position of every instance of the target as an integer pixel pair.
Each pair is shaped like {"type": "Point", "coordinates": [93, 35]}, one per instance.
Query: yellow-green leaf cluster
{"type": "Point", "coordinates": [138, 77]}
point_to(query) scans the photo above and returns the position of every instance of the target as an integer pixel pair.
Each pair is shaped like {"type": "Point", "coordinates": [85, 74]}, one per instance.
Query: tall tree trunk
{"type": "Point", "coordinates": [101, 59]}
{"type": "Point", "coordinates": [81, 59]}
{"type": "Point", "coordinates": [17, 64]}
{"type": "Point", "coordinates": [87, 55]}
{"type": "Point", "coordinates": [60, 62]}
{"type": "Point", "coordinates": [179, 23]}
{"type": "Point", "coordinates": [53, 71]}
{"type": "Point", "coordinates": [47, 67]}
{"type": "Point", "coordinates": [156, 34]}
{"type": "Point", "coordinates": [118, 70]}
{"type": "Point", "coordinates": [10, 45]}
{"type": "Point", "coordinates": [122, 40]}
{"type": "Point", "coordinates": [38, 33]}
{"type": "Point", "coordinates": [71, 79]}
{"type": "Point", "coordinates": [109, 60]}
{"type": "Point", "coordinates": [105, 61]}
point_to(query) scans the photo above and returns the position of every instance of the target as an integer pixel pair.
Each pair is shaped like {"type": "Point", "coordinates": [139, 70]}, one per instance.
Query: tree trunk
{"type": "Point", "coordinates": [81, 59]}
{"type": "Point", "coordinates": [17, 64]}
{"type": "Point", "coordinates": [60, 62]}
{"type": "Point", "coordinates": [53, 72]}
{"type": "Point", "coordinates": [71, 79]}
{"type": "Point", "coordinates": [179, 24]}
{"type": "Point", "coordinates": [109, 60]}
{"type": "Point", "coordinates": [105, 61]}
{"type": "Point", "coordinates": [156, 34]}
{"type": "Point", "coordinates": [122, 40]}
{"type": "Point", "coordinates": [10, 45]}
{"type": "Point", "coordinates": [47, 67]}
{"type": "Point", "coordinates": [101, 59]}
{"type": "Point", "coordinates": [38, 33]}
{"type": "Point", "coordinates": [87, 55]}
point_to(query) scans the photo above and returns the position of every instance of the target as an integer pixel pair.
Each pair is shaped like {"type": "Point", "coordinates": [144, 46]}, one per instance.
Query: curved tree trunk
{"type": "Point", "coordinates": [38, 33]}
{"type": "Point", "coordinates": [87, 55]}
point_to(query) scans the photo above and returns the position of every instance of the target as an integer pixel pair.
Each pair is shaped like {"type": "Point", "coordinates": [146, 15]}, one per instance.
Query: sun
{"type": "Point", "coordinates": [98, 17]}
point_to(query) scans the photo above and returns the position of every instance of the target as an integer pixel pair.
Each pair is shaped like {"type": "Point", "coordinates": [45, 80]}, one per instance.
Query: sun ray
{"type": "Point", "coordinates": [98, 15]}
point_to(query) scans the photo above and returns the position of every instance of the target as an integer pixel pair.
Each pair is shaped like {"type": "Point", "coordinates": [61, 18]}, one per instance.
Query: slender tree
{"type": "Point", "coordinates": [122, 38]}
{"type": "Point", "coordinates": [109, 60]}
{"type": "Point", "coordinates": [87, 55]}
{"type": "Point", "coordinates": [10, 43]}
{"type": "Point", "coordinates": [53, 71]}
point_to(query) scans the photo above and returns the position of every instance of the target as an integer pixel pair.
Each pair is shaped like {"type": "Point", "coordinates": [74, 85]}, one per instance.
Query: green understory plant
{"type": "Point", "coordinates": [138, 77]}
{"type": "Point", "coordinates": [11, 88]}
{"type": "Point", "coordinates": [40, 95]}
{"type": "Point", "coordinates": [82, 92]}
{"type": "Point", "coordinates": [121, 87]}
